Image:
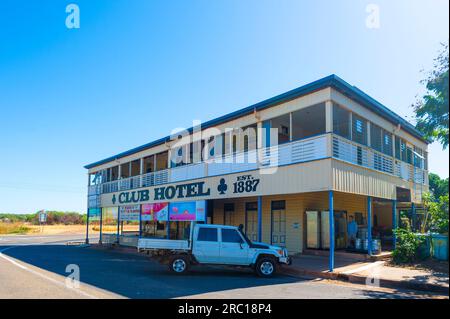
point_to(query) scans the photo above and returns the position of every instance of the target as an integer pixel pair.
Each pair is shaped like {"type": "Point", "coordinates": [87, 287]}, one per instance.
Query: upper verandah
{"type": "Point", "coordinates": [345, 91]}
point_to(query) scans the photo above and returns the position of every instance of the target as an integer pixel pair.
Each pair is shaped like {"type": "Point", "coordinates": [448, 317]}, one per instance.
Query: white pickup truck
{"type": "Point", "coordinates": [215, 245]}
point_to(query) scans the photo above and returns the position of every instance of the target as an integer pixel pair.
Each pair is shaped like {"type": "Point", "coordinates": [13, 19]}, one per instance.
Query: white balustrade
{"type": "Point", "coordinates": [299, 151]}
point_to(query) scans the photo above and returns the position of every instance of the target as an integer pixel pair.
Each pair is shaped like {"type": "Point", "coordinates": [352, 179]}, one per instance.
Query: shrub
{"type": "Point", "coordinates": [406, 246]}
{"type": "Point", "coordinates": [13, 228]}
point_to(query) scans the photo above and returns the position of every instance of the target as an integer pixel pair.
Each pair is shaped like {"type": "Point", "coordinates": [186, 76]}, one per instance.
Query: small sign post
{"type": "Point", "coordinates": [42, 214]}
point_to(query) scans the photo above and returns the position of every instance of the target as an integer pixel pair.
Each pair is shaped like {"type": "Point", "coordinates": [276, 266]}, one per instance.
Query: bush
{"type": "Point", "coordinates": [13, 228]}
{"type": "Point", "coordinates": [407, 246]}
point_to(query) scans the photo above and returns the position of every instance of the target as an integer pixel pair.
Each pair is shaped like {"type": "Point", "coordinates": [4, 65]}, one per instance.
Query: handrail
{"type": "Point", "coordinates": [298, 151]}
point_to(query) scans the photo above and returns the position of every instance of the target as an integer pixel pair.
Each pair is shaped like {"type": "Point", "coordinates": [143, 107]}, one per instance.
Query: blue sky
{"type": "Point", "coordinates": [137, 69]}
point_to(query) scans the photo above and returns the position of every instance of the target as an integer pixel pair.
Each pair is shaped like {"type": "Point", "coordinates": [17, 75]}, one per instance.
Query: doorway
{"type": "Point", "coordinates": [278, 223]}
{"type": "Point", "coordinates": [251, 220]}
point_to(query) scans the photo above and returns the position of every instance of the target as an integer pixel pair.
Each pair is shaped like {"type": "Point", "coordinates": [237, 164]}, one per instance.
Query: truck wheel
{"type": "Point", "coordinates": [266, 267]}
{"type": "Point", "coordinates": [179, 264]}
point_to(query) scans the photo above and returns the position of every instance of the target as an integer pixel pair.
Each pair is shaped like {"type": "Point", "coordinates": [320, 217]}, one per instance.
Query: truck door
{"type": "Point", "coordinates": [206, 247]}
{"type": "Point", "coordinates": [233, 248]}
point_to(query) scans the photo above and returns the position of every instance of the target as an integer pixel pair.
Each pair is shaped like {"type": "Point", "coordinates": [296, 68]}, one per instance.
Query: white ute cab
{"type": "Point", "coordinates": [215, 245]}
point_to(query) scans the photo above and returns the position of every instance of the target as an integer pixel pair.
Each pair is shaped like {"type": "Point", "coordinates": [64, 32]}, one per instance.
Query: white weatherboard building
{"type": "Point", "coordinates": [278, 168]}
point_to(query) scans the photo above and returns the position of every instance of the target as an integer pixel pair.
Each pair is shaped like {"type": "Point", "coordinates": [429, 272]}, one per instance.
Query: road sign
{"type": "Point", "coordinates": [42, 216]}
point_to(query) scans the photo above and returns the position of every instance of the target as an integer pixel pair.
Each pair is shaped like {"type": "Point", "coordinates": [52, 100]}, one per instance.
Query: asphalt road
{"type": "Point", "coordinates": [35, 267]}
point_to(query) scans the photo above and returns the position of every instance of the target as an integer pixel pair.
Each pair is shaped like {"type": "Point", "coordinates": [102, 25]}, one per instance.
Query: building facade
{"type": "Point", "coordinates": [279, 168]}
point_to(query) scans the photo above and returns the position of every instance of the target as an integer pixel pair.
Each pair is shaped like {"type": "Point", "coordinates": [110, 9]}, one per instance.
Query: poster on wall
{"type": "Point", "coordinates": [159, 211]}
{"type": "Point", "coordinates": [187, 211]}
{"type": "Point", "coordinates": [94, 213]}
{"type": "Point", "coordinates": [129, 213]}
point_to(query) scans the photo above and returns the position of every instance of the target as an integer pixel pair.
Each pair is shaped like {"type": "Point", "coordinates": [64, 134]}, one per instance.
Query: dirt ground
{"type": "Point", "coordinates": [71, 229]}
{"type": "Point", "coordinates": [57, 229]}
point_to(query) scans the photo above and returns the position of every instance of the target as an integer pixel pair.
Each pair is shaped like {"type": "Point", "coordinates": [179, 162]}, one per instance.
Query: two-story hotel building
{"type": "Point", "coordinates": [279, 168]}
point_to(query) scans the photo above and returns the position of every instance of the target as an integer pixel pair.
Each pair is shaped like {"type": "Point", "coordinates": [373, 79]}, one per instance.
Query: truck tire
{"type": "Point", "coordinates": [179, 264]}
{"type": "Point", "coordinates": [266, 267]}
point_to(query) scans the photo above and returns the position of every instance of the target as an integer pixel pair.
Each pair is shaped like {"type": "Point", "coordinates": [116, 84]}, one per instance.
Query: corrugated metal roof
{"type": "Point", "coordinates": [330, 81]}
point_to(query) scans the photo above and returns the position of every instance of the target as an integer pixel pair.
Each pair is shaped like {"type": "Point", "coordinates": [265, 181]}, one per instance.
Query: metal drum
{"type": "Point", "coordinates": [358, 243]}
{"type": "Point", "coordinates": [376, 246]}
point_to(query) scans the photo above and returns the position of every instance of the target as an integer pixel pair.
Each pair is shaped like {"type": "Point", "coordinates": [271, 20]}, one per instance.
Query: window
{"type": "Point", "coordinates": [397, 148]}
{"type": "Point", "coordinates": [135, 167]}
{"type": "Point", "coordinates": [114, 173]}
{"type": "Point", "coordinates": [149, 164]}
{"type": "Point", "coordinates": [359, 130]}
{"type": "Point", "coordinates": [210, 144]}
{"type": "Point", "coordinates": [409, 157]}
{"type": "Point", "coordinates": [125, 170]}
{"type": "Point", "coordinates": [108, 175]}
{"type": "Point", "coordinates": [308, 121]}
{"type": "Point", "coordinates": [279, 204]}
{"type": "Point", "coordinates": [341, 121]}
{"type": "Point", "coordinates": [231, 236]}
{"type": "Point", "coordinates": [250, 137]}
{"type": "Point", "coordinates": [207, 234]}
{"type": "Point", "coordinates": [418, 157]}
{"type": "Point", "coordinates": [234, 144]}
{"type": "Point", "coordinates": [402, 152]}
{"type": "Point", "coordinates": [283, 125]}
{"type": "Point", "coordinates": [161, 161]}
{"type": "Point", "coordinates": [375, 137]}
{"type": "Point", "coordinates": [387, 143]}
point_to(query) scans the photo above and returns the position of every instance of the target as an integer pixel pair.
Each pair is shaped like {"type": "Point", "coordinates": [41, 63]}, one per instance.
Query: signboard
{"type": "Point", "coordinates": [94, 213]}
{"type": "Point", "coordinates": [158, 211]}
{"type": "Point", "coordinates": [42, 216]}
{"type": "Point", "coordinates": [129, 213]}
{"type": "Point", "coordinates": [187, 211]}
{"type": "Point", "coordinates": [216, 187]}
{"type": "Point", "coordinates": [403, 195]}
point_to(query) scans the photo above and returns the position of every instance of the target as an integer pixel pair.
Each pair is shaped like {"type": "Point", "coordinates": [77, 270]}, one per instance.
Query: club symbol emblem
{"type": "Point", "coordinates": [114, 199]}
{"type": "Point", "coordinates": [222, 188]}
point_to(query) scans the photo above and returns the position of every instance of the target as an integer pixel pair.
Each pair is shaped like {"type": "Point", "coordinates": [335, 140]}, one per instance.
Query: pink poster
{"type": "Point", "coordinates": [159, 211]}
{"type": "Point", "coordinates": [188, 211]}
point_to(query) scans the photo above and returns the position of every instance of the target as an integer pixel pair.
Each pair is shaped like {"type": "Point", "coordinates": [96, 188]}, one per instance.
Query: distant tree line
{"type": "Point", "coordinates": [53, 217]}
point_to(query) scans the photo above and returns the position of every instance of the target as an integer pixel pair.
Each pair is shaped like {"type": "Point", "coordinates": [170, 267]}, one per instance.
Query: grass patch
{"type": "Point", "coordinates": [14, 228]}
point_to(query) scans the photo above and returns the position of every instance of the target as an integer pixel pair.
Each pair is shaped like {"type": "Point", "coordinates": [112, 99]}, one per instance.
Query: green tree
{"type": "Point", "coordinates": [432, 109]}
{"type": "Point", "coordinates": [438, 186]}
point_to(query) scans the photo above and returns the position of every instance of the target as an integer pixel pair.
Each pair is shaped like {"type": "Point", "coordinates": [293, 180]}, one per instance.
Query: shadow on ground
{"type": "Point", "coordinates": [136, 275]}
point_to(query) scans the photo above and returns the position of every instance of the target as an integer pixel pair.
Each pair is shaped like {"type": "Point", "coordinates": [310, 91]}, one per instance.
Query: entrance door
{"type": "Point", "coordinates": [251, 221]}
{"type": "Point", "coordinates": [278, 227]}
{"type": "Point", "coordinates": [228, 214]}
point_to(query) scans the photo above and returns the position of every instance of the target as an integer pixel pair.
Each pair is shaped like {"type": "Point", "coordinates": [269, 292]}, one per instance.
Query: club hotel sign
{"type": "Point", "coordinates": [243, 185]}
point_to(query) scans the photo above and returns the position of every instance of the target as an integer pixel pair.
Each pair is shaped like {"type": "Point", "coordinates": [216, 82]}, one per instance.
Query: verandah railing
{"type": "Point", "coordinates": [303, 150]}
